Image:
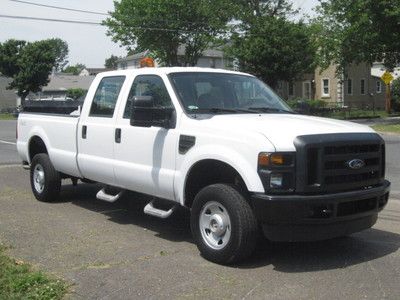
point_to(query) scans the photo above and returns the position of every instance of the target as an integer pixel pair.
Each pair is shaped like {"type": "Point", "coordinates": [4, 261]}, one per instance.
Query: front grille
{"type": "Point", "coordinates": [325, 162]}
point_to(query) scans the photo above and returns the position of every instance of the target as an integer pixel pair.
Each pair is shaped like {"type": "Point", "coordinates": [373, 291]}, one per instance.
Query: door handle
{"type": "Point", "coordinates": [118, 135]}
{"type": "Point", "coordinates": [84, 131]}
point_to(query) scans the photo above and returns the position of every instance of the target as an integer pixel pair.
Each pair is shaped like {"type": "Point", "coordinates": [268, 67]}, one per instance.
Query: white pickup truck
{"type": "Point", "coordinates": [220, 143]}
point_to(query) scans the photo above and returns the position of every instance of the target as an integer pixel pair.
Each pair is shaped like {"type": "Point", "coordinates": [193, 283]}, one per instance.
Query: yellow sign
{"type": "Point", "coordinates": [387, 77]}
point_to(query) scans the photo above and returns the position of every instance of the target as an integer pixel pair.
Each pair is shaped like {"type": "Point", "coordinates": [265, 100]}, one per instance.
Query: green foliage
{"type": "Point", "coordinates": [387, 128]}
{"type": "Point", "coordinates": [246, 10]}
{"type": "Point", "coordinates": [358, 31]}
{"type": "Point", "coordinates": [306, 103]}
{"type": "Point", "coordinates": [29, 64]}
{"type": "Point", "coordinates": [162, 26]}
{"type": "Point", "coordinates": [10, 51]}
{"type": "Point", "coordinates": [273, 49]}
{"type": "Point", "coordinates": [75, 69]}
{"type": "Point", "coordinates": [111, 62]}
{"type": "Point", "coordinates": [76, 93]}
{"type": "Point", "coordinates": [395, 89]}
{"type": "Point", "coordinates": [19, 281]}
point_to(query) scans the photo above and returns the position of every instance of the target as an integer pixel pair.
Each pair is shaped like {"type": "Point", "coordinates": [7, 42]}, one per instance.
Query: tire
{"type": "Point", "coordinates": [235, 240]}
{"type": "Point", "coordinates": [45, 180]}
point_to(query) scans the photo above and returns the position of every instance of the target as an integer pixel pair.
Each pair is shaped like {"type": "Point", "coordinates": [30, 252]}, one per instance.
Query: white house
{"type": "Point", "coordinates": [211, 58]}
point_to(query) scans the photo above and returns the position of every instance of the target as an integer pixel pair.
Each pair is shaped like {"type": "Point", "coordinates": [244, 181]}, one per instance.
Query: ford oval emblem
{"type": "Point", "coordinates": [355, 164]}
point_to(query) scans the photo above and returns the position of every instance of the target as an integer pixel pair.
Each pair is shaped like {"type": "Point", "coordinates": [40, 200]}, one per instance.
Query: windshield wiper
{"type": "Point", "coordinates": [271, 110]}
{"type": "Point", "coordinates": [222, 110]}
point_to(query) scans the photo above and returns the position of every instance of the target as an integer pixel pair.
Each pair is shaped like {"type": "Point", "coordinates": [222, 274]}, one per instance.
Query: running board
{"type": "Point", "coordinates": [102, 195]}
{"type": "Point", "coordinates": [149, 209]}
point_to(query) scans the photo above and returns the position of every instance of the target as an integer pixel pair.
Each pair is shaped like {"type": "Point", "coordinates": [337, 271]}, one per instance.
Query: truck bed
{"type": "Point", "coordinates": [59, 133]}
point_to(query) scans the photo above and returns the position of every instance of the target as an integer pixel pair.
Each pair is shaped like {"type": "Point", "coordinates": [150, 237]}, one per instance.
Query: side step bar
{"type": "Point", "coordinates": [149, 209]}
{"type": "Point", "coordinates": [102, 195]}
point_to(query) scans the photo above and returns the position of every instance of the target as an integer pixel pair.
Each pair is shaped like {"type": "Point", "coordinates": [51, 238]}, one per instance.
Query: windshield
{"type": "Point", "coordinates": [202, 92]}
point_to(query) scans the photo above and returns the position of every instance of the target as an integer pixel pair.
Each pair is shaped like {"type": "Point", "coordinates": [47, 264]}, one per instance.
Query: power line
{"type": "Point", "coordinates": [89, 23]}
{"type": "Point", "coordinates": [49, 20]}
{"type": "Point", "coordinates": [91, 12]}
{"type": "Point", "coordinates": [61, 8]}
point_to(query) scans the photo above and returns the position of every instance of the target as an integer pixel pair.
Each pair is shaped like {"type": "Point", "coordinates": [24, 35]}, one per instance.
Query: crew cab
{"type": "Point", "coordinates": [218, 142]}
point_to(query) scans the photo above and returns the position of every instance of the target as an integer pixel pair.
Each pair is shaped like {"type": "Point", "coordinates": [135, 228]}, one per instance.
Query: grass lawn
{"type": "Point", "coordinates": [7, 117]}
{"type": "Point", "coordinates": [19, 280]}
{"type": "Point", "coordinates": [387, 128]}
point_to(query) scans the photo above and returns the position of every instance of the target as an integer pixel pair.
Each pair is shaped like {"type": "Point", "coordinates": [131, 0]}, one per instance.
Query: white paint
{"type": "Point", "coordinates": [8, 143]}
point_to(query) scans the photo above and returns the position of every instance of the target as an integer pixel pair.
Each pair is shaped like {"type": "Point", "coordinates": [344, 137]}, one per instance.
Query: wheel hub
{"type": "Point", "coordinates": [38, 178]}
{"type": "Point", "coordinates": [215, 225]}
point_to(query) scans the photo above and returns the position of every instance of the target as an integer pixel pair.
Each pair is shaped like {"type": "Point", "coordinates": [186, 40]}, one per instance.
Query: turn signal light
{"type": "Point", "coordinates": [274, 159]}
{"type": "Point", "coordinates": [277, 159]}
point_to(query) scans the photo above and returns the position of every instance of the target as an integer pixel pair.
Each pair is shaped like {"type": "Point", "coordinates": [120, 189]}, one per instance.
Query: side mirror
{"type": "Point", "coordinates": [145, 114]}
{"type": "Point", "coordinates": [142, 111]}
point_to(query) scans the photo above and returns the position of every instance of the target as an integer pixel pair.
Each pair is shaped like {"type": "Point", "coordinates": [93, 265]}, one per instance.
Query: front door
{"type": "Point", "coordinates": [145, 156]}
{"type": "Point", "coordinates": [96, 132]}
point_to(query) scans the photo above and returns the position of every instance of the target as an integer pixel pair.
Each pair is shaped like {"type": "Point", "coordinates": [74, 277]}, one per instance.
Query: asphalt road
{"type": "Point", "coordinates": [114, 251]}
{"type": "Point", "coordinates": [8, 154]}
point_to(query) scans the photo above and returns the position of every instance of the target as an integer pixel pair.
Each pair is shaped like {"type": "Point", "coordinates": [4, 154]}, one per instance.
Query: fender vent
{"type": "Point", "coordinates": [185, 143]}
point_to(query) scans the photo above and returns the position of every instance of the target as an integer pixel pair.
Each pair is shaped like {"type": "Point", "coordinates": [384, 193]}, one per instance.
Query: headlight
{"type": "Point", "coordinates": [276, 180]}
{"type": "Point", "coordinates": [277, 171]}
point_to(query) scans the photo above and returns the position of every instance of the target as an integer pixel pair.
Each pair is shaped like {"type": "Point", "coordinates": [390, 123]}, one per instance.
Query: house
{"type": "Point", "coordinates": [211, 58]}
{"type": "Point", "coordinates": [59, 85]}
{"type": "Point", "coordinates": [8, 98]}
{"type": "Point", "coordinates": [92, 71]}
{"type": "Point", "coordinates": [361, 87]}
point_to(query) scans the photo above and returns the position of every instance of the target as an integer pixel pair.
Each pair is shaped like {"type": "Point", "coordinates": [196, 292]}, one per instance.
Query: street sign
{"type": "Point", "coordinates": [387, 77]}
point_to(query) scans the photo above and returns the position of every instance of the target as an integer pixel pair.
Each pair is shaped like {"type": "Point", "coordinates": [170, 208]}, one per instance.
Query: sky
{"type": "Point", "coordinates": [88, 44]}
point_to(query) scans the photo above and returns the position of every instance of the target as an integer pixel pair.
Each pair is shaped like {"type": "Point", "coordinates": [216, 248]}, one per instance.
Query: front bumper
{"type": "Point", "coordinates": [319, 217]}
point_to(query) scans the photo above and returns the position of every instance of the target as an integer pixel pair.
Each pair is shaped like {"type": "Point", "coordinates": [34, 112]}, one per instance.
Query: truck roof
{"type": "Point", "coordinates": [168, 70]}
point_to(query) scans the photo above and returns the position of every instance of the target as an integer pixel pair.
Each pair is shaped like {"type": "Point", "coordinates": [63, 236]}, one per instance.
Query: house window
{"type": "Point", "coordinates": [325, 87]}
{"type": "Point", "coordinates": [349, 86]}
{"type": "Point", "coordinates": [362, 86]}
{"type": "Point", "coordinates": [291, 89]}
{"type": "Point", "coordinates": [378, 86]}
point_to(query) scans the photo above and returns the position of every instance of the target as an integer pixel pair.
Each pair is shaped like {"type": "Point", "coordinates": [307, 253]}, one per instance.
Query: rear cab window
{"type": "Point", "coordinates": [106, 96]}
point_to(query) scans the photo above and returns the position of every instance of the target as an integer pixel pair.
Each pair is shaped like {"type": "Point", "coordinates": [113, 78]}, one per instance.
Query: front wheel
{"type": "Point", "coordinates": [223, 224]}
{"type": "Point", "coordinates": [45, 180]}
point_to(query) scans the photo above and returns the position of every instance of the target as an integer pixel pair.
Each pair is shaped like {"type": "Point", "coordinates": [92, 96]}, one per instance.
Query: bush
{"type": "Point", "coordinates": [306, 104]}
{"type": "Point", "coordinates": [76, 93]}
{"type": "Point", "coordinates": [396, 95]}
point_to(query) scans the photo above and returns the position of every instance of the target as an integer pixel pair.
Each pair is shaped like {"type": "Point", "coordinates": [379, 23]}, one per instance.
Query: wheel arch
{"type": "Point", "coordinates": [209, 171]}
{"type": "Point", "coordinates": [36, 145]}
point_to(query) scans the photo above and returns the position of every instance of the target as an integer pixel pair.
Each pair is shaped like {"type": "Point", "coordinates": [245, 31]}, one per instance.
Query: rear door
{"type": "Point", "coordinates": [145, 156]}
{"type": "Point", "coordinates": [96, 132]}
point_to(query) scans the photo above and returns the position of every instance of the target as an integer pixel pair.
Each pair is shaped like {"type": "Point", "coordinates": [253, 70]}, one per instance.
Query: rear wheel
{"type": "Point", "coordinates": [223, 224]}
{"type": "Point", "coordinates": [45, 180]}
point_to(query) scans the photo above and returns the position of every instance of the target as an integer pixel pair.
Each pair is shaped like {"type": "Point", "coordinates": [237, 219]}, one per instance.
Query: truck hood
{"type": "Point", "coordinates": [282, 129]}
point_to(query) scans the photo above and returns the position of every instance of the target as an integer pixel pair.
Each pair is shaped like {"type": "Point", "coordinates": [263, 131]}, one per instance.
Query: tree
{"type": "Point", "coordinates": [111, 62]}
{"type": "Point", "coordinates": [30, 64]}
{"type": "Point", "coordinates": [162, 26]}
{"type": "Point", "coordinates": [76, 93]}
{"type": "Point", "coordinates": [266, 43]}
{"type": "Point", "coordinates": [358, 31]}
{"type": "Point", "coordinates": [396, 94]}
{"type": "Point", "coordinates": [75, 69]}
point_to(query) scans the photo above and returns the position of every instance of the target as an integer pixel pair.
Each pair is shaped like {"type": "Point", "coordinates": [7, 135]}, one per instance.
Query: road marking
{"type": "Point", "coordinates": [8, 143]}
{"type": "Point", "coordinates": [9, 166]}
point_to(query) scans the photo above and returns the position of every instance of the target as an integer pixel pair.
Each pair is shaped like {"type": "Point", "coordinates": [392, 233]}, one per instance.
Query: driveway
{"type": "Point", "coordinates": [114, 251]}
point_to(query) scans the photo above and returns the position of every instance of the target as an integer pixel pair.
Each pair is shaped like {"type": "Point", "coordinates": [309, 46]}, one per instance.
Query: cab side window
{"type": "Point", "coordinates": [148, 85]}
{"type": "Point", "coordinates": [106, 97]}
